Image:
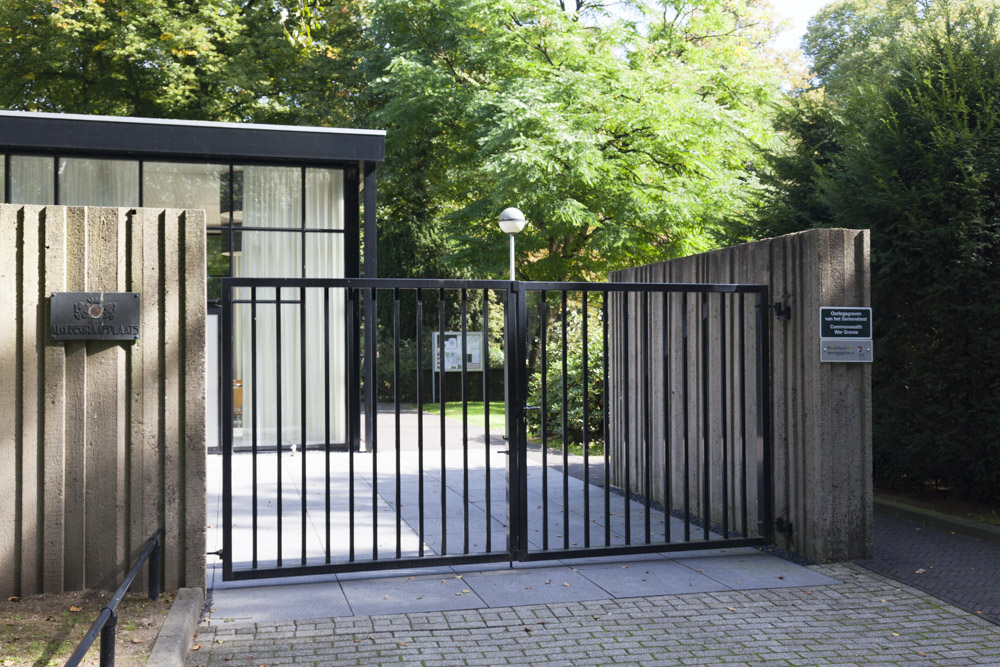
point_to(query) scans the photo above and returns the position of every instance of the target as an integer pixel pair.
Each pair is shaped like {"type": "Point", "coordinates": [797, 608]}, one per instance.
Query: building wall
{"type": "Point", "coordinates": [820, 412]}
{"type": "Point", "coordinates": [101, 442]}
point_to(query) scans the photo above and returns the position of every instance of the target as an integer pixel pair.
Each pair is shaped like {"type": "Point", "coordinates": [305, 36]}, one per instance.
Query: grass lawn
{"type": "Point", "coordinates": [453, 410]}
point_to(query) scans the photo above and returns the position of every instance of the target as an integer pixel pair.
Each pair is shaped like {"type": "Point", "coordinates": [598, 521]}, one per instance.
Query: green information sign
{"type": "Point", "coordinates": [853, 323]}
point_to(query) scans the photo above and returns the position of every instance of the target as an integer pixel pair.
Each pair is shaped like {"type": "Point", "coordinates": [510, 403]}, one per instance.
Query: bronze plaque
{"type": "Point", "coordinates": [94, 316]}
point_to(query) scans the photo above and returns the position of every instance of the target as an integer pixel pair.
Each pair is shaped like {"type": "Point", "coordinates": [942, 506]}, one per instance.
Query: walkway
{"type": "Point", "coordinates": [865, 619]}
{"type": "Point", "coordinates": [735, 606]}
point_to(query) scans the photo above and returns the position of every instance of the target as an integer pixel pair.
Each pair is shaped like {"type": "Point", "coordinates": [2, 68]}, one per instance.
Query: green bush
{"type": "Point", "coordinates": [574, 379]}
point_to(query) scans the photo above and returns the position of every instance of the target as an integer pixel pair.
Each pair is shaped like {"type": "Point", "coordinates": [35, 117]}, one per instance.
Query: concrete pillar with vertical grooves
{"type": "Point", "coordinates": [106, 438]}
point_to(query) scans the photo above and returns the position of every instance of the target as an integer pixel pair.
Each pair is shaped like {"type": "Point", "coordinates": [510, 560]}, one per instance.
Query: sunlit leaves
{"type": "Point", "coordinates": [622, 140]}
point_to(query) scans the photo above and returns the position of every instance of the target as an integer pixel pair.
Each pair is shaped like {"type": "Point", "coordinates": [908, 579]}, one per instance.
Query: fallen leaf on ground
{"type": "Point", "coordinates": [195, 647]}
{"type": "Point", "coordinates": [921, 654]}
{"type": "Point", "coordinates": [73, 607]}
{"type": "Point", "coordinates": [137, 641]}
{"type": "Point", "coordinates": [566, 584]}
{"type": "Point", "coordinates": [12, 598]}
{"type": "Point", "coordinates": [920, 571]}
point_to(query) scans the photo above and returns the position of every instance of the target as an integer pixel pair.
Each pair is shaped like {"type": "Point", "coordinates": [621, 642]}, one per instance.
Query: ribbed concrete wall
{"type": "Point", "coordinates": [821, 412]}
{"type": "Point", "coordinates": [101, 442]}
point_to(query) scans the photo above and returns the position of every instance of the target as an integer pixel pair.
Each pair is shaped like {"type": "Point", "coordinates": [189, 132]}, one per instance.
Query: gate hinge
{"type": "Point", "coordinates": [784, 526]}
{"type": "Point", "coordinates": [781, 311]}
{"type": "Point", "coordinates": [215, 553]}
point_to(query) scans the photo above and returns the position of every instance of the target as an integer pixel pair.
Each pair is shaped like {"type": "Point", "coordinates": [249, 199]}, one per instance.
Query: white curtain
{"type": "Point", "coordinates": [85, 182]}
{"type": "Point", "coordinates": [272, 198]}
{"type": "Point", "coordinates": [184, 185]}
{"type": "Point", "coordinates": [31, 180]}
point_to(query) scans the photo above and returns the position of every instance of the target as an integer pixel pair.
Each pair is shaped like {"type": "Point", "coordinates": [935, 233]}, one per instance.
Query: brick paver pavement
{"type": "Point", "coordinates": [867, 619]}
{"type": "Point", "coordinates": [957, 568]}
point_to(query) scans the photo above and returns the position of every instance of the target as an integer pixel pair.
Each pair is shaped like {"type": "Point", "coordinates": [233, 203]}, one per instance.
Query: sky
{"type": "Point", "coordinates": [798, 12]}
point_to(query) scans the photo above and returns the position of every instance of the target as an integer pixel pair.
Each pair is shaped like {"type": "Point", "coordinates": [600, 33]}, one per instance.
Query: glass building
{"type": "Point", "coordinates": [280, 201]}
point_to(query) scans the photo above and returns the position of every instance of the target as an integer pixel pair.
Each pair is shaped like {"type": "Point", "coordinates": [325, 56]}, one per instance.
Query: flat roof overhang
{"type": "Point", "coordinates": [149, 139]}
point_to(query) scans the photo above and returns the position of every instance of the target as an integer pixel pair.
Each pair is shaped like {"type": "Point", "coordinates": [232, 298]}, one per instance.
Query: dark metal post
{"type": "Point", "coordinates": [153, 569]}
{"type": "Point", "coordinates": [520, 434]}
{"type": "Point", "coordinates": [765, 520]}
{"type": "Point", "coordinates": [226, 373]}
{"type": "Point", "coordinates": [108, 640]}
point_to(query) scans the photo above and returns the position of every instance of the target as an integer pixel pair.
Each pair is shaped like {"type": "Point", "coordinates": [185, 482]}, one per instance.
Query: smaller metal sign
{"type": "Point", "coordinates": [840, 350]}
{"type": "Point", "coordinates": [845, 323]}
{"type": "Point", "coordinates": [94, 316]}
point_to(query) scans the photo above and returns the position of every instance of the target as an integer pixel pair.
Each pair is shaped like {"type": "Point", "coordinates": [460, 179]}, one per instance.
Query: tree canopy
{"type": "Point", "coordinates": [207, 60]}
{"type": "Point", "coordinates": [623, 140]}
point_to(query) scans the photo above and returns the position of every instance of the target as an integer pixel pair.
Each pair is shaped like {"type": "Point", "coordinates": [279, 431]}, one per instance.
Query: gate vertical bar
{"type": "Point", "coordinates": [687, 424]}
{"type": "Point", "coordinates": [626, 404]}
{"type": "Point", "coordinates": [743, 418]}
{"type": "Point", "coordinates": [371, 331]}
{"type": "Point", "coordinates": [725, 422]}
{"type": "Point", "coordinates": [544, 416]}
{"type": "Point", "coordinates": [565, 425]}
{"type": "Point", "coordinates": [586, 426]}
{"type": "Point", "coordinates": [226, 372]}
{"type": "Point", "coordinates": [277, 445]}
{"type": "Point", "coordinates": [667, 395]}
{"type": "Point", "coordinates": [253, 419]}
{"type": "Point", "coordinates": [420, 420]}
{"type": "Point", "coordinates": [465, 423]}
{"type": "Point", "coordinates": [706, 443]}
{"type": "Point", "coordinates": [486, 414]}
{"type": "Point", "coordinates": [606, 421]}
{"type": "Point", "coordinates": [353, 418]}
{"type": "Point", "coordinates": [302, 411]}
{"type": "Point", "coordinates": [444, 464]}
{"type": "Point", "coordinates": [395, 405]}
{"type": "Point", "coordinates": [326, 410]}
{"type": "Point", "coordinates": [647, 490]}
{"type": "Point", "coordinates": [765, 519]}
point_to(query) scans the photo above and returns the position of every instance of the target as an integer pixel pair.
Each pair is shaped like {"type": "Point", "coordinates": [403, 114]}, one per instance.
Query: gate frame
{"type": "Point", "coordinates": [515, 321]}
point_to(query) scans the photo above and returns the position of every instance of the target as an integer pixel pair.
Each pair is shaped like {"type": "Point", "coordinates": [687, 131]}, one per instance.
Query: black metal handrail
{"type": "Point", "coordinates": [107, 620]}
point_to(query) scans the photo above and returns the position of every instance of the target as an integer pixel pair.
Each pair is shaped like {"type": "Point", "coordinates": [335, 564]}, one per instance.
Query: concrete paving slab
{"type": "Point", "coordinates": [649, 577]}
{"type": "Point", "coordinates": [264, 604]}
{"type": "Point", "coordinates": [746, 572]}
{"type": "Point", "coordinates": [394, 595]}
{"type": "Point", "coordinates": [547, 585]}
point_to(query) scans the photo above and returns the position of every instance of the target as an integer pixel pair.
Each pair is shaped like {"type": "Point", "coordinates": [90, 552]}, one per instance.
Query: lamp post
{"type": "Point", "coordinates": [511, 222]}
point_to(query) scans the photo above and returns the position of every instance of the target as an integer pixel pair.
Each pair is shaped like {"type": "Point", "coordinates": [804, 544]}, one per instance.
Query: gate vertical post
{"type": "Point", "coordinates": [515, 394]}
{"type": "Point", "coordinates": [765, 518]}
{"type": "Point", "coordinates": [226, 418]}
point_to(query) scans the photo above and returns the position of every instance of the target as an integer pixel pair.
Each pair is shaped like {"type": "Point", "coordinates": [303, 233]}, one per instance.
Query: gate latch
{"type": "Point", "coordinates": [781, 311]}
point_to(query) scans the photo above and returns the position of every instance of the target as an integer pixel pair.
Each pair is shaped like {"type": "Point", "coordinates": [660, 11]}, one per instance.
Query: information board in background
{"type": "Point", "coordinates": [847, 322]}
{"type": "Point", "coordinates": [453, 351]}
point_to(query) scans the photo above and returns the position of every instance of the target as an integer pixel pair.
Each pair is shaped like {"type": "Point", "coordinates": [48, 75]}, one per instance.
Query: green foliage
{"type": "Point", "coordinates": [908, 145]}
{"type": "Point", "coordinates": [553, 377]}
{"type": "Point", "coordinates": [623, 141]}
{"type": "Point", "coordinates": [207, 60]}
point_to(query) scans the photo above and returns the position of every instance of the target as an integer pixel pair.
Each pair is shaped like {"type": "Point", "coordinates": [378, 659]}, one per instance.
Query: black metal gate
{"type": "Point", "coordinates": [635, 417]}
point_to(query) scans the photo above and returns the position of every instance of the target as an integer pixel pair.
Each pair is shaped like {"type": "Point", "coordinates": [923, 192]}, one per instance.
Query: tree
{"type": "Point", "coordinates": [908, 145]}
{"type": "Point", "coordinates": [206, 60]}
{"type": "Point", "coordinates": [623, 140]}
